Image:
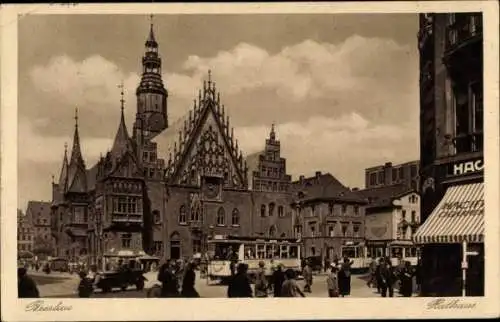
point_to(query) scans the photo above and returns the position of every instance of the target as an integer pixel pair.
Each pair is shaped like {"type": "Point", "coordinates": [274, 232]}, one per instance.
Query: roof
{"type": "Point", "coordinates": [325, 186]}
{"type": "Point", "coordinates": [383, 196]}
{"type": "Point", "coordinates": [38, 209]}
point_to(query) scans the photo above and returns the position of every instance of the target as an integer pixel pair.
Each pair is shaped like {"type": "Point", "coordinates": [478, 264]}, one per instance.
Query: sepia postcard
{"type": "Point", "coordinates": [212, 161]}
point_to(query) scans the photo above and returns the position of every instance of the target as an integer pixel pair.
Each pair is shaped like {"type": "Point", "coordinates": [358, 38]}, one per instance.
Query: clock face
{"type": "Point", "coordinates": [212, 190]}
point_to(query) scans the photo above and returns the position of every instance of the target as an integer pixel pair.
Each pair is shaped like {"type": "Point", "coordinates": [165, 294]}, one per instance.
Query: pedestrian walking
{"type": "Point", "coordinates": [261, 281]}
{"type": "Point", "coordinates": [344, 277]}
{"type": "Point", "coordinates": [239, 286]}
{"type": "Point", "coordinates": [188, 282]}
{"type": "Point", "coordinates": [85, 287]}
{"type": "Point", "coordinates": [290, 287]}
{"type": "Point", "coordinates": [308, 276]}
{"type": "Point", "coordinates": [372, 271]}
{"type": "Point", "coordinates": [418, 275]}
{"type": "Point", "coordinates": [168, 279]}
{"type": "Point", "coordinates": [378, 275]}
{"type": "Point", "coordinates": [388, 278]}
{"type": "Point", "coordinates": [406, 277]}
{"type": "Point", "coordinates": [278, 279]}
{"type": "Point", "coordinates": [26, 286]}
{"type": "Point", "coordinates": [332, 281]}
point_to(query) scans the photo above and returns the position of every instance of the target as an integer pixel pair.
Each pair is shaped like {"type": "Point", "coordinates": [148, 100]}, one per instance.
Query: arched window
{"type": "Point", "coordinates": [182, 215]}
{"type": "Point", "coordinates": [281, 213]}
{"type": "Point", "coordinates": [263, 210]}
{"type": "Point", "coordinates": [221, 217]}
{"type": "Point", "coordinates": [271, 209]}
{"type": "Point", "coordinates": [272, 231]}
{"type": "Point", "coordinates": [156, 217]}
{"type": "Point", "coordinates": [235, 218]}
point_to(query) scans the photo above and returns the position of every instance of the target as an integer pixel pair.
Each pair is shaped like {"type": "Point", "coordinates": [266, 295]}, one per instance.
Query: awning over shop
{"type": "Point", "coordinates": [458, 217]}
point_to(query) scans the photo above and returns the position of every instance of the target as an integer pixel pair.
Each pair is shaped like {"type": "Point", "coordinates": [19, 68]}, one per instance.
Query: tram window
{"type": "Point", "coordinates": [293, 252]}
{"type": "Point", "coordinates": [348, 252]}
{"type": "Point", "coordinates": [396, 252]}
{"type": "Point", "coordinates": [284, 251]}
{"type": "Point", "coordinates": [269, 251]}
{"type": "Point", "coordinates": [249, 251]}
{"type": "Point", "coordinates": [411, 252]}
{"type": "Point", "coordinates": [276, 251]}
{"type": "Point", "coordinates": [261, 252]}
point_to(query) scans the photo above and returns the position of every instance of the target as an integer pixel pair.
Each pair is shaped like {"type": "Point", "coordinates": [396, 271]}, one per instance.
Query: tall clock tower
{"type": "Point", "coordinates": [151, 117]}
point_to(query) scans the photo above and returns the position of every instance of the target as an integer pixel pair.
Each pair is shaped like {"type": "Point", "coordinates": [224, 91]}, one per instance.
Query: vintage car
{"type": "Point", "coordinates": [121, 279]}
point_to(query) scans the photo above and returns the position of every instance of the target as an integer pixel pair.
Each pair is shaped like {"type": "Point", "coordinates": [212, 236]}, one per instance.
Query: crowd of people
{"type": "Point", "coordinates": [384, 276]}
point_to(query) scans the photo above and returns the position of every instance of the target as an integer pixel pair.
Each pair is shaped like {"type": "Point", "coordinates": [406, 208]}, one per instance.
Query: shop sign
{"type": "Point", "coordinates": [466, 167]}
{"type": "Point", "coordinates": [468, 207]}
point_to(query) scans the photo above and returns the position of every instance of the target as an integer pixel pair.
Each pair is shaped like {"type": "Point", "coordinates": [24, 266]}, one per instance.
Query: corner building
{"type": "Point", "coordinates": [451, 154]}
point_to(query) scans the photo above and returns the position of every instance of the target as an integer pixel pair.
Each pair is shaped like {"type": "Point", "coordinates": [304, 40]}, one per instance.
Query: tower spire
{"type": "Point", "coordinates": [272, 135]}
{"type": "Point", "coordinates": [122, 140]}
{"type": "Point", "coordinates": [76, 168]}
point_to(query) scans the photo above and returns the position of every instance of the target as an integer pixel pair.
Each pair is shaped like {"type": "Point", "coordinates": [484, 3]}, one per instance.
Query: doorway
{"type": "Point", "coordinates": [175, 249]}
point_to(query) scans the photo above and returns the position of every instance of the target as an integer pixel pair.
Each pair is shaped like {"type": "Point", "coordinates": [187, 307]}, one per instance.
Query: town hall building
{"type": "Point", "coordinates": [133, 200]}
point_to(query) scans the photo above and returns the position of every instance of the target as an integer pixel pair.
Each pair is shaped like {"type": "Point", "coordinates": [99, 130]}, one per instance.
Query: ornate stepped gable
{"type": "Point", "coordinates": [206, 145]}
{"type": "Point", "coordinates": [77, 176]}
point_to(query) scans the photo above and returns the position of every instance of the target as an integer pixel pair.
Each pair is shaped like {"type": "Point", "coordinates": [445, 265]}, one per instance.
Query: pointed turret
{"type": "Point", "coordinates": [122, 142]}
{"type": "Point", "coordinates": [77, 180]}
{"type": "Point", "coordinates": [63, 176]}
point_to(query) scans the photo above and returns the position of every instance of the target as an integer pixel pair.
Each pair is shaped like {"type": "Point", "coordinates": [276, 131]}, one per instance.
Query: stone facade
{"type": "Point", "coordinates": [327, 215]}
{"type": "Point", "coordinates": [25, 233]}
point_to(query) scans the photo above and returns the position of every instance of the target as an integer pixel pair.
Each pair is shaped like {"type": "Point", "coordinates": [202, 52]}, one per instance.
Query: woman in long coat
{"type": "Point", "coordinates": [188, 282]}
{"type": "Point", "coordinates": [344, 277]}
{"type": "Point", "coordinates": [406, 277]}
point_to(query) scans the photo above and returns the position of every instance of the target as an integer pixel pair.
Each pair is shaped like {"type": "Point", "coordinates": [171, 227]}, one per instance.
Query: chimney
{"type": "Point", "coordinates": [388, 164]}
{"type": "Point", "coordinates": [318, 174]}
{"type": "Point", "coordinates": [301, 179]}
{"type": "Point", "coordinates": [355, 189]}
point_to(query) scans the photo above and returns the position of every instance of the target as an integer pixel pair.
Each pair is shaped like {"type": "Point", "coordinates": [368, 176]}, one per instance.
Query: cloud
{"type": "Point", "coordinates": [36, 148]}
{"type": "Point", "coordinates": [352, 70]}
{"type": "Point", "coordinates": [338, 107]}
{"type": "Point", "coordinates": [344, 146]}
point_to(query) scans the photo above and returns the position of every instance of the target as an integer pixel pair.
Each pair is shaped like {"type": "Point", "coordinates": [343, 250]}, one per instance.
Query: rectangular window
{"type": "Point", "coordinates": [356, 229]}
{"type": "Point", "coordinates": [381, 177]}
{"type": "Point", "coordinates": [373, 179]}
{"type": "Point", "coordinates": [403, 214]}
{"type": "Point", "coordinates": [356, 210]}
{"type": "Point", "coordinates": [344, 209]}
{"type": "Point", "coordinates": [394, 175]}
{"type": "Point", "coordinates": [79, 215]}
{"type": "Point", "coordinates": [413, 216]}
{"type": "Point", "coordinates": [126, 240]}
{"type": "Point", "coordinates": [331, 231]}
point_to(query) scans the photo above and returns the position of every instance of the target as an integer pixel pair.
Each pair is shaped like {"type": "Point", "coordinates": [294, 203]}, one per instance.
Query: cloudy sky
{"type": "Point", "coordinates": [342, 89]}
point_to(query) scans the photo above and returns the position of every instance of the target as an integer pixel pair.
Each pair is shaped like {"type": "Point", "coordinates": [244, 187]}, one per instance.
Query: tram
{"type": "Point", "coordinates": [226, 250]}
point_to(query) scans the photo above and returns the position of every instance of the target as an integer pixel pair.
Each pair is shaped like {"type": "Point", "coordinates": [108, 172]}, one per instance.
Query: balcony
{"type": "Point", "coordinates": [126, 218]}
{"type": "Point", "coordinates": [470, 142]}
